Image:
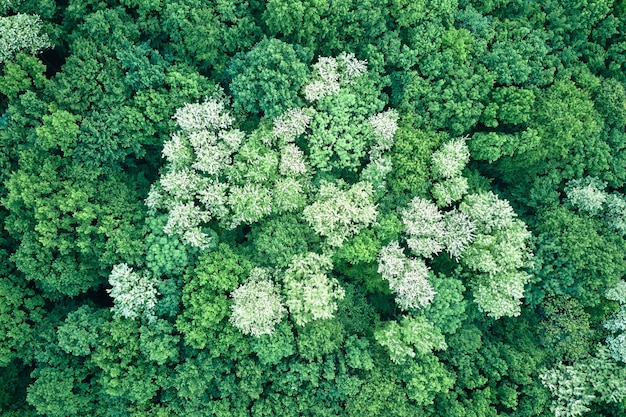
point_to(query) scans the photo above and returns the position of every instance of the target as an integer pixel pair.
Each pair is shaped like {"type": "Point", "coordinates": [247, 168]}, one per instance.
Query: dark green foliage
{"type": "Point", "coordinates": [267, 79]}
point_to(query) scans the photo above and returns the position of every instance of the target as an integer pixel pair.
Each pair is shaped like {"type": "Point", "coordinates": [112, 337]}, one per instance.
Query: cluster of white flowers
{"type": "Point", "coordinates": [21, 32]}
{"type": "Point", "coordinates": [185, 219]}
{"type": "Point", "coordinates": [257, 306]}
{"type": "Point", "coordinates": [332, 73]}
{"type": "Point", "coordinates": [450, 159]}
{"type": "Point", "coordinates": [423, 223]}
{"type": "Point", "coordinates": [310, 293]}
{"type": "Point", "coordinates": [340, 213]}
{"type": "Point", "coordinates": [587, 194]}
{"type": "Point", "coordinates": [292, 161]}
{"type": "Point", "coordinates": [501, 297]}
{"type": "Point", "coordinates": [616, 324]}
{"type": "Point", "coordinates": [209, 115]}
{"type": "Point", "coordinates": [291, 124]}
{"type": "Point", "coordinates": [459, 232]}
{"type": "Point", "coordinates": [616, 212]}
{"type": "Point", "coordinates": [385, 125]}
{"type": "Point", "coordinates": [134, 293]}
{"type": "Point", "coordinates": [407, 277]}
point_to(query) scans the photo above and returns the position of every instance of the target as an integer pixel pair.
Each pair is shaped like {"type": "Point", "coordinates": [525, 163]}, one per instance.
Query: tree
{"type": "Point", "coordinates": [414, 335]}
{"type": "Point", "coordinates": [341, 212]}
{"type": "Point", "coordinates": [587, 194]}
{"type": "Point", "coordinates": [574, 387]}
{"type": "Point", "coordinates": [407, 277]}
{"type": "Point", "coordinates": [257, 306]}
{"type": "Point", "coordinates": [310, 294]}
{"type": "Point", "coordinates": [21, 32]}
{"type": "Point", "coordinates": [499, 251]}
{"type": "Point", "coordinates": [267, 78]}
{"type": "Point", "coordinates": [134, 293]}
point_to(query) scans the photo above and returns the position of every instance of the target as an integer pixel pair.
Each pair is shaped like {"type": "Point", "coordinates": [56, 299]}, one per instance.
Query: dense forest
{"type": "Point", "coordinates": [313, 208]}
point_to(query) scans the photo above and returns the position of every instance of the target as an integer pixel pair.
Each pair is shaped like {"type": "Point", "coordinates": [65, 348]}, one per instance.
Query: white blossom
{"type": "Point", "coordinates": [615, 213]}
{"type": "Point", "coordinates": [197, 238]}
{"type": "Point", "coordinates": [587, 194]}
{"type": "Point", "coordinates": [391, 260]}
{"type": "Point", "coordinates": [249, 204]}
{"type": "Point", "coordinates": [352, 67]}
{"type": "Point", "coordinates": [459, 233]}
{"type": "Point", "coordinates": [412, 288]}
{"type": "Point", "coordinates": [232, 138]}
{"type": "Point", "coordinates": [408, 278]}
{"type": "Point", "coordinates": [424, 226]}
{"type": "Point", "coordinates": [154, 200]}
{"type": "Point", "coordinates": [202, 139]}
{"type": "Point", "coordinates": [310, 293]}
{"type": "Point", "coordinates": [176, 150]}
{"type": "Point", "coordinates": [209, 115]}
{"type": "Point", "coordinates": [292, 161]}
{"type": "Point", "coordinates": [450, 159]}
{"type": "Point", "coordinates": [385, 125]}
{"type": "Point", "coordinates": [288, 195]}
{"type": "Point", "coordinates": [212, 160]}
{"type": "Point", "coordinates": [291, 124]}
{"type": "Point", "coordinates": [257, 307]}
{"type": "Point", "coordinates": [339, 214]}
{"type": "Point", "coordinates": [134, 293]}
{"type": "Point", "coordinates": [183, 217]}
{"type": "Point", "coordinates": [450, 190]}
{"type": "Point", "coordinates": [213, 198]}
{"type": "Point", "coordinates": [180, 184]}
{"type": "Point", "coordinates": [327, 69]}
{"type": "Point", "coordinates": [21, 32]}
{"type": "Point", "coordinates": [315, 90]}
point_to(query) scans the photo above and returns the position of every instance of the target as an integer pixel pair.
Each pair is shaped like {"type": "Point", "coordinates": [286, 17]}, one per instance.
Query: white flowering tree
{"type": "Point", "coordinates": [424, 227]}
{"type": "Point", "coordinates": [257, 306]}
{"type": "Point", "coordinates": [310, 294]}
{"type": "Point", "coordinates": [616, 323]}
{"type": "Point", "coordinates": [407, 277]}
{"type": "Point", "coordinates": [134, 293]}
{"type": "Point", "coordinates": [575, 387]}
{"type": "Point", "coordinates": [341, 211]}
{"type": "Point", "coordinates": [21, 33]}
{"type": "Point", "coordinates": [587, 194]}
{"type": "Point", "coordinates": [497, 255]}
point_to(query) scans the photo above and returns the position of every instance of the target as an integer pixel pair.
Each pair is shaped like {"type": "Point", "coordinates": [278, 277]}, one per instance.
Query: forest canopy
{"type": "Point", "coordinates": [312, 208]}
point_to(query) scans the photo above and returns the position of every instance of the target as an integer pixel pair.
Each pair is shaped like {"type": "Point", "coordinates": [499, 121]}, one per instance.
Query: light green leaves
{"type": "Point", "coordinates": [413, 335]}
{"type": "Point", "coordinates": [310, 294]}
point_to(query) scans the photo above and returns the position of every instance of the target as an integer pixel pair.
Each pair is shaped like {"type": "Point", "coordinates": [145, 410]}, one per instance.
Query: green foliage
{"type": "Point", "coordinates": [78, 335]}
{"type": "Point", "coordinates": [205, 303]}
{"type": "Point", "coordinates": [565, 329]}
{"type": "Point", "coordinates": [267, 78]}
{"type": "Point", "coordinates": [332, 189]}
{"type": "Point", "coordinates": [22, 74]}
{"type": "Point", "coordinates": [575, 387]}
{"type": "Point", "coordinates": [414, 335]}
{"type": "Point", "coordinates": [21, 311]}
